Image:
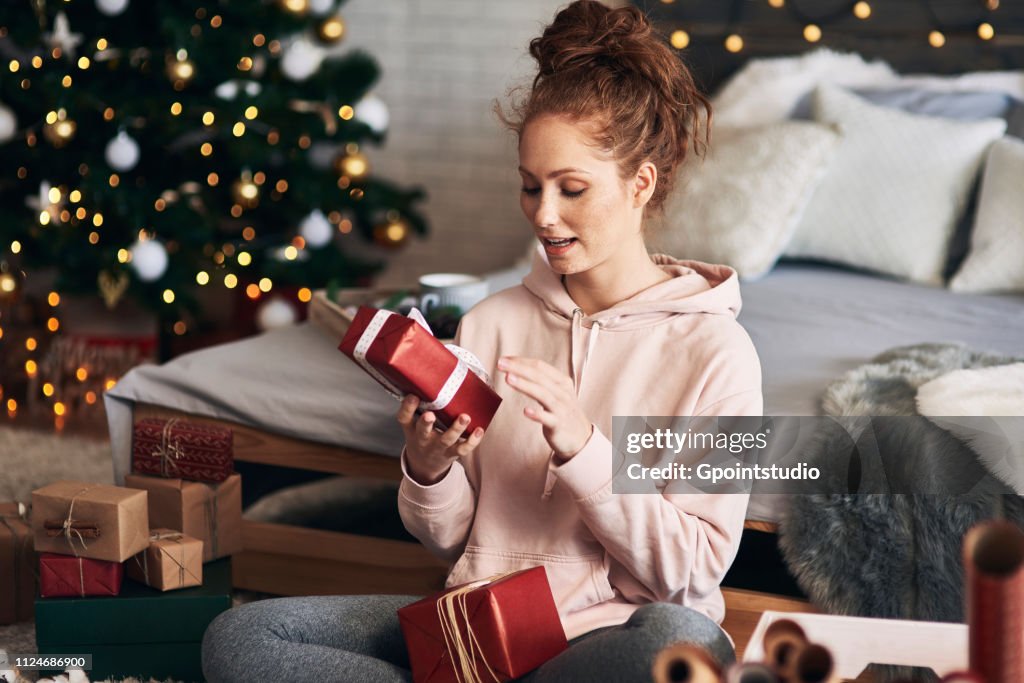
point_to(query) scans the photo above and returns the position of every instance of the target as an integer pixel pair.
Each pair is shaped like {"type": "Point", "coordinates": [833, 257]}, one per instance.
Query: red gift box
{"type": "Point", "coordinates": [498, 630]}
{"type": "Point", "coordinates": [182, 450]}
{"type": "Point", "coordinates": [405, 358]}
{"type": "Point", "coordinates": [70, 576]}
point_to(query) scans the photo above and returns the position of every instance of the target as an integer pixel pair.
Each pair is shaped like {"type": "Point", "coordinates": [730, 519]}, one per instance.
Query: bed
{"type": "Point", "coordinates": [295, 401]}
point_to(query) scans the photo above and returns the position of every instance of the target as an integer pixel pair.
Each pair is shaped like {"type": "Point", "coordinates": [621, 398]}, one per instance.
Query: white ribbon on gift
{"type": "Point", "coordinates": [467, 362]}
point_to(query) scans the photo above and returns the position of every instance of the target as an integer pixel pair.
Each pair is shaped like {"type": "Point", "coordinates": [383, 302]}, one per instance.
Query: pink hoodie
{"type": "Point", "coordinates": [672, 349]}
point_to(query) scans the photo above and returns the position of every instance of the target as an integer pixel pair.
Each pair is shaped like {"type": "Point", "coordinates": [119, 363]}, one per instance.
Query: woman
{"type": "Point", "coordinates": [598, 328]}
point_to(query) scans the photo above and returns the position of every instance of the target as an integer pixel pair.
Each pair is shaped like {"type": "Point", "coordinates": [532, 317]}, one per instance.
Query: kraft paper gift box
{"type": "Point", "coordinates": [504, 629]}
{"type": "Point", "coordinates": [94, 521]}
{"type": "Point", "coordinates": [211, 513]}
{"type": "Point", "coordinates": [17, 564]}
{"type": "Point", "coordinates": [68, 576]}
{"type": "Point", "coordinates": [182, 450]}
{"type": "Point", "coordinates": [142, 633]}
{"type": "Point", "coordinates": [172, 561]}
{"type": "Point", "coordinates": [405, 358]}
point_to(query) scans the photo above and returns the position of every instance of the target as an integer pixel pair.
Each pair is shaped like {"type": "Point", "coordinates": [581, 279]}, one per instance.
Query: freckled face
{"type": "Point", "coordinates": [573, 196]}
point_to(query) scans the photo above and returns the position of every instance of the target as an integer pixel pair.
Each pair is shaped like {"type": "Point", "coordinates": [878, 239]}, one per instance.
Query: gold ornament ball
{"type": "Point", "coordinates": [245, 192]}
{"type": "Point", "coordinates": [180, 70]}
{"type": "Point", "coordinates": [331, 30]}
{"type": "Point", "coordinates": [60, 132]}
{"type": "Point", "coordinates": [354, 165]}
{"type": "Point", "coordinates": [392, 233]}
{"type": "Point", "coordinates": [8, 284]}
{"type": "Point", "coordinates": [294, 6]}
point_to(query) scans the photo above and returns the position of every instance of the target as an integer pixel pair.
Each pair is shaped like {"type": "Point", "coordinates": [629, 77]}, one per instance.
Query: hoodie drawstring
{"type": "Point", "coordinates": [577, 377]}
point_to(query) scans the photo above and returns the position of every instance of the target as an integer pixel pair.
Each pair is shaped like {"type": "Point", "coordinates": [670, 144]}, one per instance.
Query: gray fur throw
{"type": "Point", "coordinates": [896, 556]}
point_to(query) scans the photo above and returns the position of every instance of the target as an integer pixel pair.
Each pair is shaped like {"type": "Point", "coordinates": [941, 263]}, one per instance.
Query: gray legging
{"type": "Point", "coordinates": [357, 638]}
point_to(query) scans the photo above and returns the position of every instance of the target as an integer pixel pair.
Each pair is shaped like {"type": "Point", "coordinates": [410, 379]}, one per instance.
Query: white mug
{"type": "Point", "coordinates": [451, 289]}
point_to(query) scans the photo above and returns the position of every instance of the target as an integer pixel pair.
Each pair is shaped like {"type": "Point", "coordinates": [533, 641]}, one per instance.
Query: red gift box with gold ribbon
{"type": "Point", "coordinates": [494, 630]}
{"type": "Point", "coordinates": [70, 576]}
{"type": "Point", "coordinates": [180, 449]}
{"type": "Point", "coordinates": [405, 358]}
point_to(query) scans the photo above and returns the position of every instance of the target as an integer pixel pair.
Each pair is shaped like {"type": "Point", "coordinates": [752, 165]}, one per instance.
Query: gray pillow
{"type": "Point", "coordinates": [965, 106]}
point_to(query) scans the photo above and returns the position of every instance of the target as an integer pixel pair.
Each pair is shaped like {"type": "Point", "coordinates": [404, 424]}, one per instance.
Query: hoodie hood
{"type": "Point", "coordinates": [695, 287]}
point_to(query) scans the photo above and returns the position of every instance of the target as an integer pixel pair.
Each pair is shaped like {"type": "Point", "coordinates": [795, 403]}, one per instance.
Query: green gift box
{"type": "Point", "coordinates": [142, 632]}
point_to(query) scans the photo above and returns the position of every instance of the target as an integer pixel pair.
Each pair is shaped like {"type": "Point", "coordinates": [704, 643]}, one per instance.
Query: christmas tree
{"type": "Point", "coordinates": [154, 148]}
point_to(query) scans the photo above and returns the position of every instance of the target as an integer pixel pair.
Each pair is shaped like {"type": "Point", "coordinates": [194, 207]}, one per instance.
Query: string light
{"type": "Point", "coordinates": [53, 299]}
{"type": "Point", "coordinates": [734, 43]}
{"type": "Point", "coordinates": [862, 10]}
{"type": "Point", "coordinates": [230, 281]}
{"type": "Point", "coordinates": [208, 118]}
{"type": "Point", "coordinates": [244, 258]}
{"type": "Point", "coordinates": [265, 284]}
{"type": "Point", "coordinates": [936, 39]}
{"type": "Point", "coordinates": [110, 384]}
{"type": "Point", "coordinates": [812, 33]}
{"type": "Point", "coordinates": [168, 296]}
{"type": "Point", "coordinates": [31, 368]}
{"type": "Point", "coordinates": [305, 294]}
{"type": "Point", "coordinates": [680, 39]}
{"type": "Point", "coordinates": [15, 247]}
{"type": "Point", "coordinates": [985, 31]}
{"type": "Point", "coordinates": [251, 112]}
{"type": "Point", "coordinates": [202, 277]}
{"type": "Point", "coordinates": [252, 291]}
{"type": "Point", "coordinates": [81, 374]}
{"type": "Point", "coordinates": [345, 112]}
{"type": "Point", "coordinates": [47, 389]}
{"type": "Point", "coordinates": [53, 324]}
{"type": "Point", "coordinates": [31, 344]}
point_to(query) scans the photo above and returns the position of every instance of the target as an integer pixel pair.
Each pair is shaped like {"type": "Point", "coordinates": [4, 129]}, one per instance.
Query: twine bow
{"type": "Point", "coordinates": [463, 651]}
{"type": "Point", "coordinates": [182, 569]}
{"type": "Point", "coordinates": [167, 451]}
{"type": "Point", "coordinates": [68, 528]}
{"type": "Point", "coordinates": [321, 108]}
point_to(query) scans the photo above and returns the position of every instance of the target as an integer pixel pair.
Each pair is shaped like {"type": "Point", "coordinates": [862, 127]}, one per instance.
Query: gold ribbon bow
{"type": "Point", "coordinates": [168, 452]}
{"type": "Point", "coordinates": [463, 651]}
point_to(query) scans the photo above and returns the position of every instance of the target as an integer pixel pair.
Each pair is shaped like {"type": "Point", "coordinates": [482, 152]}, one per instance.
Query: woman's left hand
{"type": "Point", "coordinates": [566, 428]}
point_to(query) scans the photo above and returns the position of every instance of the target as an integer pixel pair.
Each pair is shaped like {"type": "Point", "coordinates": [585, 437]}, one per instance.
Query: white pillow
{"type": "Point", "coordinates": [766, 90]}
{"type": "Point", "coordinates": [741, 205]}
{"type": "Point", "coordinates": [984, 408]}
{"type": "Point", "coordinates": [893, 194]}
{"type": "Point", "coordinates": [995, 261]}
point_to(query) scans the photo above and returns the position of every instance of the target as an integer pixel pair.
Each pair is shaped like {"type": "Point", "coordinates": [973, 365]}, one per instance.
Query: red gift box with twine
{"type": "Point", "coordinates": [490, 630]}
{"type": "Point", "coordinates": [179, 449]}
{"type": "Point", "coordinates": [405, 358]}
{"type": "Point", "coordinates": [69, 576]}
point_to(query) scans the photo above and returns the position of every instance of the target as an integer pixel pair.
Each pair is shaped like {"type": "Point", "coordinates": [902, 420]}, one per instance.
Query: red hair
{"type": "Point", "coordinates": [609, 68]}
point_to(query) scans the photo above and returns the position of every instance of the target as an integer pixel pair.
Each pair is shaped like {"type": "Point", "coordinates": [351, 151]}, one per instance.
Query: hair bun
{"type": "Point", "coordinates": [587, 34]}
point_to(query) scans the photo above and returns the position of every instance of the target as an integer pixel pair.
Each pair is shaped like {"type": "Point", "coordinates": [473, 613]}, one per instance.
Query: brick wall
{"type": "Point", "coordinates": [443, 63]}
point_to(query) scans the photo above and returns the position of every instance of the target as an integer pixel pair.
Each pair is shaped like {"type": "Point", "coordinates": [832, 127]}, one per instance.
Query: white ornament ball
{"type": "Point", "coordinates": [149, 260]}
{"type": "Point", "coordinates": [252, 88]}
{"type": "Point", "coordinates": [372, 111]}
{"type": "Point", "coordinates": [275, 313]}
{"type": "Point", "coordinates": [227, 90]}
{"type": "Point", "coordinates": [112, 7]}
{"type": "Point", "coordinates": [321, 7]}
{"type": "Point", "coordinates": [301, 60]}
{"type": "Point", "coordinates": [316, 229]}
{"type": "Point", "coordinates": [122, 152]}
{"type": "Point", "coordinates": [8, 123]}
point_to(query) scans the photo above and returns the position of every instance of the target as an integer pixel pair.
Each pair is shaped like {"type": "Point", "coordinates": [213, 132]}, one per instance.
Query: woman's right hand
{"type": "Point", "coordinates": [429, 453]}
